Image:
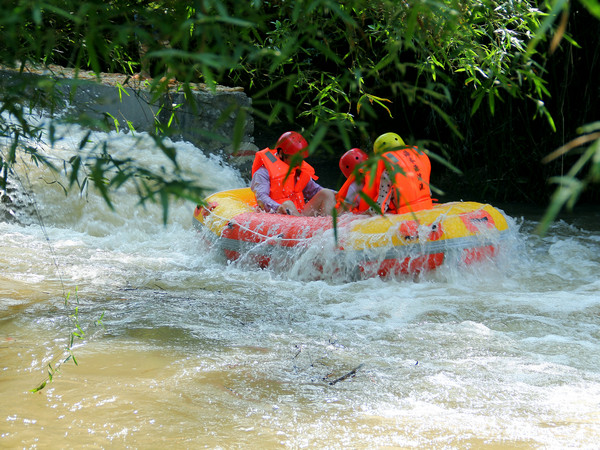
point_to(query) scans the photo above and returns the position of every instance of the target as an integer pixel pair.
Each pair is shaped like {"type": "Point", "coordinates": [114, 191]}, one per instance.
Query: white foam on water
{"type": "Point", "coordinates": [504, 352]}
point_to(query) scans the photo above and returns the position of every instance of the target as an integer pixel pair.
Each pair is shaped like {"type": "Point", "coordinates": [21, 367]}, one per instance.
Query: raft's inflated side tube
{"type": "Point", "coordinates": [403, 243]}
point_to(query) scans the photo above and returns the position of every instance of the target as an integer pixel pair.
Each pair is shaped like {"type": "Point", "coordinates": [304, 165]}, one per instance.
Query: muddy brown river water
{"type": "Point", "coordinates": [182, 350]}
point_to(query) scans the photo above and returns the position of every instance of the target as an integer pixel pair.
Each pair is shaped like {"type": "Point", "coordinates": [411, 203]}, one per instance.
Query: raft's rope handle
{"type": "Point", "coordinates": [266, 237]}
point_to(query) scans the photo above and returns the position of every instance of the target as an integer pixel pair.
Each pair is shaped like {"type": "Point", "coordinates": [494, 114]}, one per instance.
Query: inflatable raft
{"type": "Point", "coordinates": [361, 245]}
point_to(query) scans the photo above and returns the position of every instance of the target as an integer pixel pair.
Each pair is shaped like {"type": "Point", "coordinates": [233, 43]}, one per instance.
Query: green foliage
{"type": "Point", "coordinates": [490, 50]}
{"type": "Point", "coordinates": [77, 334]}
{"type": "Point", "coordinates": [337, 70]}
{"type": "Point", "coordinates": [570, 187]}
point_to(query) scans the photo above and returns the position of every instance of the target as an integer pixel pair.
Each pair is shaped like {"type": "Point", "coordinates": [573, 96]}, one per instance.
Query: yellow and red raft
{"type": "Point", "coordinates": [366, 245]}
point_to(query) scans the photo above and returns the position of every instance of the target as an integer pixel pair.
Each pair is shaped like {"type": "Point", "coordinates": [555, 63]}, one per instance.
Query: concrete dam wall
{"type": "Point", "coordinates": [216, 121]}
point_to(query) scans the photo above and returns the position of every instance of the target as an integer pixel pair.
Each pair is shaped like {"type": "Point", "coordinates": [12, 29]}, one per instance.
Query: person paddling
{"type": "Point", "coordinates": [283, 182]}
{"type": "Point", "coordinates": [348, 195]}
{"type": "Point", "coordinates": [398, 184]}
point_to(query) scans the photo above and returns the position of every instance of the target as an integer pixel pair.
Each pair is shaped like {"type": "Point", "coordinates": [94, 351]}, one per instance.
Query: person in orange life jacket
{"type": "Point", "coordinates": [405, 187]}
{"type": "Point", "coordinates": [284, 183]}
{"type": "Point", "coordinates": [348, 197]}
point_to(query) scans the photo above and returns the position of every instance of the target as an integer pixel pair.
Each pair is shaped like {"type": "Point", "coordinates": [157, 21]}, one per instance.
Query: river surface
{"type": "Point", "coordinates": [182, 350]}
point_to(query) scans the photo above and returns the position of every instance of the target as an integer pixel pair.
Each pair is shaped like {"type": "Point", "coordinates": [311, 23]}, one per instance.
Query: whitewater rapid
{"type": "Point", "coordinates": [194, 351]}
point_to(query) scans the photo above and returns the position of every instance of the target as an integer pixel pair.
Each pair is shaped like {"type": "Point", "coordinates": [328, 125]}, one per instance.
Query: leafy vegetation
{"type": "Point", "coordinates": [479, 83]}
{"type": "Point", "coordinates": [488, 86]}
{"type": "Point", "coordinates": [78, 334]}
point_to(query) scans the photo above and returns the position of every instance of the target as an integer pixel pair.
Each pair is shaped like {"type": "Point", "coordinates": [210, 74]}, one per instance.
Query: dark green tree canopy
{"type": "Point", "coordinates": [481, 84]}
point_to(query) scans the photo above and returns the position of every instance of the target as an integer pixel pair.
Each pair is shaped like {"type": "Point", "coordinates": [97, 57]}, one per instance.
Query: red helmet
{"type": "Point", "coordinates": [350, 159]}
{"type": "Point", "coordinates": [291, 143]}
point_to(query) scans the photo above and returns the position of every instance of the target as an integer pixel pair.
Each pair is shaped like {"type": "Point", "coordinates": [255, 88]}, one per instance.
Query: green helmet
{"type": "Point", "coordinates": [387, 142]}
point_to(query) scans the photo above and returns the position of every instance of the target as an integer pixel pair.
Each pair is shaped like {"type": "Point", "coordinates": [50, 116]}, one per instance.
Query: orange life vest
{"type": "Point", "coordinates": [340, 197]}
{"type": "Point", "coordinates": [411, 184]}
{"type": "Point", "coordinates": [284, 185]}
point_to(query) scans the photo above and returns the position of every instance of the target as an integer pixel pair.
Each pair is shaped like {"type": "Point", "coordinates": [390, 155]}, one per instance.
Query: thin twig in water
{"type": "Point", "coordinates": [348, 375]}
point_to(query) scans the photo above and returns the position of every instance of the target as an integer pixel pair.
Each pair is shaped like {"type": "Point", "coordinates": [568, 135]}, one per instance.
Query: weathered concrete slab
{"type": "Point", "coordinates": [210, 119]}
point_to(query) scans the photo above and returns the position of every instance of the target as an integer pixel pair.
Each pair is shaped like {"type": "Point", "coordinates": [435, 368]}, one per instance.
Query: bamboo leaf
{"type": "Point", "coordinates": [557, 7]}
